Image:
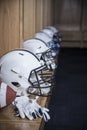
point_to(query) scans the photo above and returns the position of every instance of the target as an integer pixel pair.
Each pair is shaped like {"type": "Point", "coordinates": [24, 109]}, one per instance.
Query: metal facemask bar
{"type": "Point", "coordinates": [54, 46]}
{"type": "Point", "coordinates": [41, 83]}
{"type": "Point", "coordinates": [49, 58]}
{"type": "Point", "coordinates": [57, 37]}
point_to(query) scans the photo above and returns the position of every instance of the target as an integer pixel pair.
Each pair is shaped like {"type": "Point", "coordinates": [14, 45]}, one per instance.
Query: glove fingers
{"type": "Point", "coordinates": [33, 112]}
{"type": "Point", "coordinates": [34, 115]}
{"type": "Point", "coordinates": [31, 109]}
{"type": "Point", "coordinates": [40, 112]}
{"type": "Point", "coordinates": [46, 116]}
{"type": "Point", "coordinates": [28, 115]}
{"type": "Point", "coordinates": [45, 109]}
{"type": "Point", "coordinates": [20, 110]}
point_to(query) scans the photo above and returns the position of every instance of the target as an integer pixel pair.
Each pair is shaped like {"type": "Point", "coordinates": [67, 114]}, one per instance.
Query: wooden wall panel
{"type": "Point", "coordinates": [68, 19]}
{"type": "Point", "coordinates": [9, 25]}
{"type": "Point", "coordinates": [84, 23]}
{"type": "Point", "coordinates": [67, 14]}
{"type": "Point", "coordinates": [84, 15]}
{"type": "Point", "coordinates": [44, 14]}
{"type": "Point", "coordinates": [33, 17]}
{"type": "Point", "coordinates": [47, 13]}
{"type": "Point", "coordinates": [39, 15]}
{"type": "Point", "coordinates": [29, 19]}
{"type": "Point", "coordinates": [20, 19]}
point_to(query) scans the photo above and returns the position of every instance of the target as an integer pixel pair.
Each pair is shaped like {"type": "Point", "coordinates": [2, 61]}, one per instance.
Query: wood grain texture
{"type": "Point", "coordinates": [9, 25]}
{"type": "Point", "coordinates": [39, 15]}
{"type": "Point", "coordinates": [21, 19]}
{"type": "Point", "coordinates": [47, 13]}
{"type": "Point", "coordinates": [70, 18]}
{"type": "Point", "coordinates": [67, 14]}
{"type": "Point", "coordinates": [29, 19]}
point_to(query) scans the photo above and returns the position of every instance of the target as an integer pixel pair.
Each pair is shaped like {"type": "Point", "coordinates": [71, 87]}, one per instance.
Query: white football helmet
{"type": "Point", "coordinates": [48, 40]}
{"type": "Point", "coordinates": [22, 71]}
{"type": "Point", "coordinates": [57, 37]}
{"type": "Point", "coordinates": [49, 32]}
{"type": "Point", "coordinates": [53, 29]}
{"type": "Point", "coordinates": [42, 51]}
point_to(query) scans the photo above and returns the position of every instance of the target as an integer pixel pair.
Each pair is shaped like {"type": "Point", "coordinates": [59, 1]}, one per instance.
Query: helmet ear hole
{"type": "Point", "coordinates": [16, 84]}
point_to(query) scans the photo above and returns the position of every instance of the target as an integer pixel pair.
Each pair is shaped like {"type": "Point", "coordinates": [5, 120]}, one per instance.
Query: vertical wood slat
{"type": "Point", "coordinates": [21, 22]}
{"type": "Point", "coordinates": [47, 13]}
{"type": "Point", "coordinates": [20, 19]}
{"type": "Point", "coordinates": [10, 26]}
{"type": "Point", "coordinates": [43, 14]}
{"type": "Point", "coordinates": [39, 15]}
{"type": "Point", "coordinates": [29, 19]}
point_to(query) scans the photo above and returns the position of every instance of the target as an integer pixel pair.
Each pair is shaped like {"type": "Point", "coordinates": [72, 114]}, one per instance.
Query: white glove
{"type": "Point", "coordinates": [30, 108]}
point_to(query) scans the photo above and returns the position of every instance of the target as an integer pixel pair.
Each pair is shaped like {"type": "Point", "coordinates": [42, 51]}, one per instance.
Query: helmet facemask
{"type": "Point", "coordinates": [48, 58]}
{"type": "Point", "coordinates": [41, 82]}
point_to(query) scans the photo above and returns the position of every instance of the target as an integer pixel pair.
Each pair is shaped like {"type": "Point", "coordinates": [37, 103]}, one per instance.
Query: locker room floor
{"type": "Point", "coordinates": [68, 105]}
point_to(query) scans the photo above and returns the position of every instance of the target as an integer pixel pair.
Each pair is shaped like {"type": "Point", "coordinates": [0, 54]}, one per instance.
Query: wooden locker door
{"type": "Point", "coordinates": [47, 13]}
{"type": "Point", "coordinates": [37, 15]}
{"type": "Point", "coordinates": [84, 23]}
{"type": "Point", "coordinates": [29, 18]}
{"type": "Point", "coordinates": [10, 25]}
{"type": "Point", "coordinates": [68, 18]}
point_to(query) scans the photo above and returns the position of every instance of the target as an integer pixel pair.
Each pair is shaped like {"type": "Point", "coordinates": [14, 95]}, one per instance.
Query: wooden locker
{"type": "Point", "coordinates": [10, 25]}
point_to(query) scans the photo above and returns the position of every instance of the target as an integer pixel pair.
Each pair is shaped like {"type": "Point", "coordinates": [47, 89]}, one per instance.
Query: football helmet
{"type": "Point", "coordinates": [42, 51]}
{"type": "Point", "coordinates": [45, 38]}
{"type": "Point", "coordinates": [22, 71]}
{"type": "Point", "coordinates": [49, 41]}
{"type": "Point", "coordinates": [53, 29]}
{"type": "Point", "coordinates": [49, 32]}
{"type": "Point", "coordinates": [57, 37]}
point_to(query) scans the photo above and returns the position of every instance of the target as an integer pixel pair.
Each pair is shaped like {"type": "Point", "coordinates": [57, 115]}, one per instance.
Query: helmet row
{"type": "Point", "coordinates": [26, 70]}
{"type": "Point", "coordinates": [46, 45]}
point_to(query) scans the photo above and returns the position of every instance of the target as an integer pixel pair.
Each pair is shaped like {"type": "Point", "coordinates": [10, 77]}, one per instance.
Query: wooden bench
{"type": "Point", "coordinates": [9, 121]}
